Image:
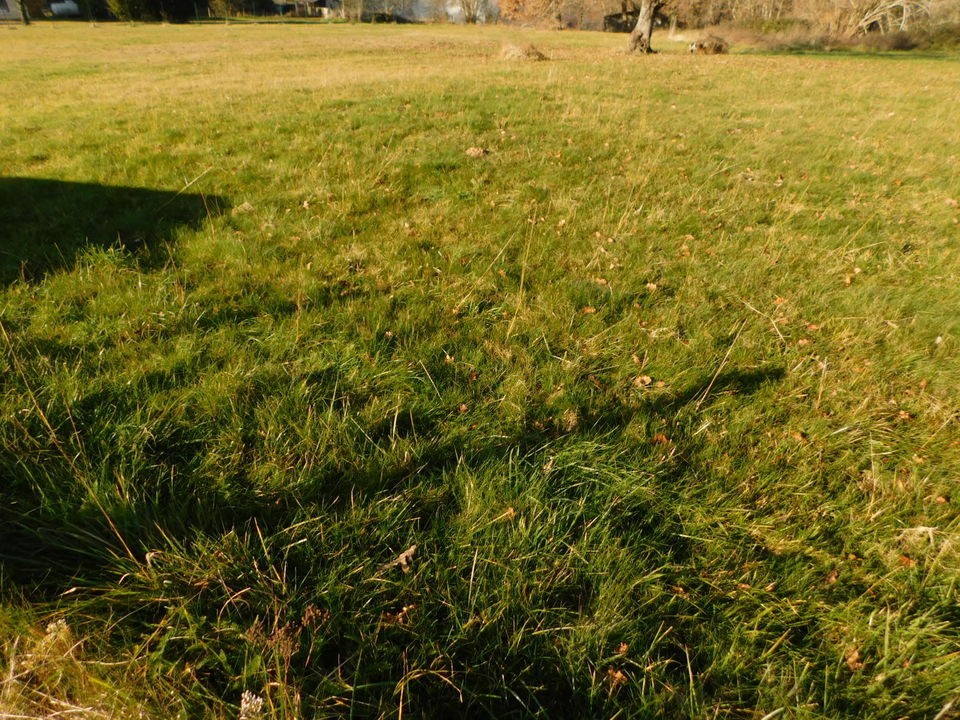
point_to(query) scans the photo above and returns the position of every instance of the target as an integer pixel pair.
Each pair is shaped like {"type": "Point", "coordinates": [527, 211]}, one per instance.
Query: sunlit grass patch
{"type": "Point", "coordinates": [654, 361]}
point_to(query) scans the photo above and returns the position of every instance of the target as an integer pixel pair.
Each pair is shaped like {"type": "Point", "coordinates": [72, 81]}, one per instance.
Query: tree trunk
{"type": "Point", "coordinates": [640, 37]}
{"type": "Point", "coordinates": [24, 13]}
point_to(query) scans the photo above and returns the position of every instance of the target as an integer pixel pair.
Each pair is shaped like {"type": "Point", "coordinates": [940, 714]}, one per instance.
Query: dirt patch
{"type": "Point", "coordinates": [521, 52]}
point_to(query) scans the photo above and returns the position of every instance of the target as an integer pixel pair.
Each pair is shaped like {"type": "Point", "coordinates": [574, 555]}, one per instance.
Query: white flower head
{"type": "Point", "coordinates": [251, 706]}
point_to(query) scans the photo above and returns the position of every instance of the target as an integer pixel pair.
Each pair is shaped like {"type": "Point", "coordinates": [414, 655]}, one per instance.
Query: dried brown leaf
{"type": "Point", "coordinates": [616, 678]}
{"type": "Point", "coordinates": [852, 659]}
{"type": "Point", "coordinates": [403, 561]}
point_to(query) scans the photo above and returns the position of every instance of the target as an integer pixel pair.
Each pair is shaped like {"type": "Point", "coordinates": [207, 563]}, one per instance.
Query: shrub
{"type": "Point", "coordinates": [889, 41]}
{"type": "Point", "coordinates": [941, 37]}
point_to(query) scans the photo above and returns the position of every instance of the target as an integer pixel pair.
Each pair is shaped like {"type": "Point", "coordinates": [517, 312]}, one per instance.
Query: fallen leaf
{"type": "Point", "coordinates": [403, 560]}
{"type": "Point", "coordinates": [832, 577]}
{"type": "Point", "coordinates": [399, 618]}
{"type": "Point", "coordinates": [660, 439]}
{"type": "Point", "coordinates": [615, 678]}
{"type": "Point", "coordinates": [622, 648]}
{"type": "Point", "coordinates": [907, 561]}
{"type": "Point", "coordinates": [642, 381]}
{"type": "Point", "coordinates": [848, 279]}
{"type": "Point", "coordinates": [242, 209]}
{"type": "Point", "coordinates": [853, 660]}
{"type": "Point", "coordinates": [508, 514]}
{"type": "Point", "coordinates": [476, 152]}
{"type": "Point", "coordinates": [951, 202]}
{"type": "Point", "coordinates": [589, 310]}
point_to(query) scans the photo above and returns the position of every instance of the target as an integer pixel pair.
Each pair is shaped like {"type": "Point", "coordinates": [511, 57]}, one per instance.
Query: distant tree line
{"type": "Point", "coordinates": [184, 10]}
{"type": "Point", "coordinates": [468, 11]}
{"type": "Point", "coordinates": [840, 18]}
{"type": "Point", "coordinates": [833, 18]}
{"type": "Point", "coordinates": [165, 10]}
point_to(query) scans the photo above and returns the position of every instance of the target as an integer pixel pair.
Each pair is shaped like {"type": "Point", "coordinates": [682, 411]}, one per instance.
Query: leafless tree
{"type": "Point", "coordinates": [891, 15]}
{"type": "Point", "coordinates": [474, 11]}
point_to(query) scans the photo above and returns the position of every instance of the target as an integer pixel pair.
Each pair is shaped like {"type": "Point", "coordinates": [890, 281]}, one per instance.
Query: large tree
{"type": "Point", "coordinates": [640, 37]}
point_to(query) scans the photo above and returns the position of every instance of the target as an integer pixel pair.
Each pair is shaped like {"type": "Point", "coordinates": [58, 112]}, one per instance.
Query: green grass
{"type": "Point", "coordinates": [663, 386]}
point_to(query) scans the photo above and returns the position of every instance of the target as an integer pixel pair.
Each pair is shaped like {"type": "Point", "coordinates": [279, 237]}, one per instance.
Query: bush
{"type": "Point", "coordinates": [889, 41]}
{"type": "Point", "coordinates": [168, 10]}
{"type": "Point", "coordinates": [941, 37]}
{"type": "Point", "coordinates": [126, 9]}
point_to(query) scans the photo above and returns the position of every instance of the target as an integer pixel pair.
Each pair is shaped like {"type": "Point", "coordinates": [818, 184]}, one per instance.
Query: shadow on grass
{"type": "Point", "coordinates": [46, 224]}
{"type": "Point", "coordinates": [180, 500]}
{"type": "Point", "coordinates": [177, 514]}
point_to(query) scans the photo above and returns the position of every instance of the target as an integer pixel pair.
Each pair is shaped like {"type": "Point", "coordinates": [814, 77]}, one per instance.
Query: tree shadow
{"type": "Point", "coordinates": [46, 224]}
{"type": "Point", "coordinates": [44, 551]}
{"type": "Point", "coordinates": [32, 536]}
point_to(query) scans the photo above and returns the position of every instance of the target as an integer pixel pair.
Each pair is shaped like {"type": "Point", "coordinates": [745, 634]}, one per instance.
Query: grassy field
{"type": "Point", "coordinates": [655, 361]}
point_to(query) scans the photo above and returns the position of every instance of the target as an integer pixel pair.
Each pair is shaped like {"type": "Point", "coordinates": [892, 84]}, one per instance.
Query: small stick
{"type": "Point", "coordinates": [723, 363]}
